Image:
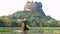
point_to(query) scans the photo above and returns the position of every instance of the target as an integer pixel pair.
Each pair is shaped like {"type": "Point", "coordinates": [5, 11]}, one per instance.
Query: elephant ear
{"type": "Point", "coordinates": [28, 25]}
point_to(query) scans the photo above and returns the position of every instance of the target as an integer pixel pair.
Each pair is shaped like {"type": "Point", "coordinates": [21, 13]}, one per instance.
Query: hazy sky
{"type": "Point", "coordinates": [50, 7]}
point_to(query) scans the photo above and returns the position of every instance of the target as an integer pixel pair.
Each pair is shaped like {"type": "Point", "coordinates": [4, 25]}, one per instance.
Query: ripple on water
{"type": "Point", "coordinates": [17, 31]}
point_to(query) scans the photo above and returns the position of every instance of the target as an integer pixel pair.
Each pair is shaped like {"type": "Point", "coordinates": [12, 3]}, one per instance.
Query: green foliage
{"type": "Point", "coordinates": [1, 23]}
{"type": "Point", "coordinates": [35, 19]}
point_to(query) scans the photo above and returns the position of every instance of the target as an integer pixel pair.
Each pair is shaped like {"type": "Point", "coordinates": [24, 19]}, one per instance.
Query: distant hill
{"type": "Point", "coordinates": [29, 14]}
{"type": "Point", "coordinates": [36, 19]}
{"type": "Point", "coordinates": [34, 6]}
{"type": "Point", "coordinates": [33, 11]}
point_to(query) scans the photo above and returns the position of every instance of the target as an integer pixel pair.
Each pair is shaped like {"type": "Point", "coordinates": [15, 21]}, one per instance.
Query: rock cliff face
{"type": "Point", "coordinates": [34, 6]}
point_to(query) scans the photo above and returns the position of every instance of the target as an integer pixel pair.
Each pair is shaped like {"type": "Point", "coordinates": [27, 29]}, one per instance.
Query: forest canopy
{"type": "Point", "coordinates": [35, 19]}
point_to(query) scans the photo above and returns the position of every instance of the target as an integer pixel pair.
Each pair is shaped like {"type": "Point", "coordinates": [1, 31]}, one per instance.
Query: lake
{"type": "Point", "coordinates": [33, 30]}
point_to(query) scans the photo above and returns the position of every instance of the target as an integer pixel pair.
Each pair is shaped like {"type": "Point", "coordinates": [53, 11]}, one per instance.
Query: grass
{"type": "Point", "coordinates": [9, 29]}
{"type": "Point", "coordinates": [46, 29]}
{"type": "Point", "coordinates": [32, 29]}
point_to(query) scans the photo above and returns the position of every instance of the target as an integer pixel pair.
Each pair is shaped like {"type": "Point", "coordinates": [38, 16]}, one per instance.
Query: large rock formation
{"type": "Point", "coordinates": [34, 6]}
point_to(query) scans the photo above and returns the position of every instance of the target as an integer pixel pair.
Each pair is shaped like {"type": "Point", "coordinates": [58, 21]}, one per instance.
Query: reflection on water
{"type": "Point", "coordinates": [25, 33]}
{"type": "Point", "coordinates": [33, 32]}
{"type": "Point", "coordinates": [28, 32]}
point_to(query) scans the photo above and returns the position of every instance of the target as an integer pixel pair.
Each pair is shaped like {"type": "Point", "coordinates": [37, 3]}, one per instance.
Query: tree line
{"type": "Point", "coordinates": [35, 20]}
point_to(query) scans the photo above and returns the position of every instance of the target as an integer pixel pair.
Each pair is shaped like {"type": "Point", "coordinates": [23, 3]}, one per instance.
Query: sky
{"type": "Point", "coordinates": [50, 7]}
